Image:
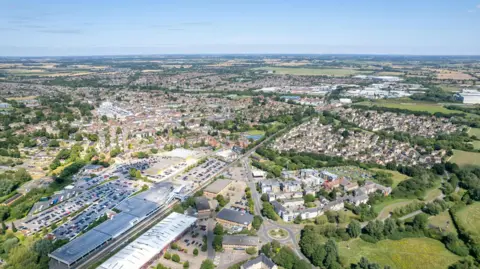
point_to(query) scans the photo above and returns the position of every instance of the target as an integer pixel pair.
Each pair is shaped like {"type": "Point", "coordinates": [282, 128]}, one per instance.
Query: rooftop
{"type": "Point", "coordinates": [202, 203]}
{"type": "Point", "coordinates": [235, 216]}
{"type": "Point", "coordinates": [218, 186]}
{"type": "Point", "coordinates": [260, 259]}
{"type": "Point", "coordinates": [240, 240]}
{"type": "Point", "coordinates": [149, 244]}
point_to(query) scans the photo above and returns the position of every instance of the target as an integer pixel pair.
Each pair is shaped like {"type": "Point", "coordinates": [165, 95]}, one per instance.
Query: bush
{"type": "Point", "coordinates": [251, 250]}
{"type": "Point", "coordinates": [195, 252]}
{"type": "Point", "coordinates": [167, 255]}
{"type": "Point", "coordinates": [186, 264]}
{"type": "Point", "coordinates": [368, 238]}
{"type": "Point", "coordinates": [175, 258]}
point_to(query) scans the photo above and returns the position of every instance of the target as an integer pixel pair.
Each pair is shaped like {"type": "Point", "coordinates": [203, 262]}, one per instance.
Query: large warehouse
{"type": "Point", "coordinates": [150, 245]}
{"type": "Point", "coordinates": [217, 187]}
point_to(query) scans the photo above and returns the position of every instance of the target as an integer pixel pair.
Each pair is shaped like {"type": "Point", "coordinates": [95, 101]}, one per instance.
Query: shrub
{"type": "Point", "coordinates": [175, 258]}
{"type": "Point", "coordinates": [167, 255]}
{"type": "Point", "coordinates": [251, 250]}
{"type": "Point", "coordinates": [368, 238]}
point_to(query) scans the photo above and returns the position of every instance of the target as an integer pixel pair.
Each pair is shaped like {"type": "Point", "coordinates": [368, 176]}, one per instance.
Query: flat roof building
{"type": "Point", "coordinates": [217, 187]}
{"type": "Point", "coordinates": [239, 241]}
{"type": "Point", "coordinates": [147, 248]}
{"type": "Point", "coordinates": [229, 217]}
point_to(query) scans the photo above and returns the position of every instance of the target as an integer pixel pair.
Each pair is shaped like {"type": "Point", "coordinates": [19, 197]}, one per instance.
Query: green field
{"type": "Point", "coordinates": [256, 132]}
{"type": "Point", "coordinates": [417, 106]}
{"type": "Point", "coordinates": [314, 71]}
{"type": "Point", "coordinates": [396, 176]}
{"type": "Point", "coordinates": [476, 144]}
{"type": "Point", "coordinates": [474, 131]}
{"type": "Point", "coordinates": [444, 222]}
{"type": "Point", "coordinates": [449, 88]}
{"type": "Point", "coordinates": [469, 217]}
{"type": "Point", "coordinates": [401, 254]}
{"type": "Point", "coordinates": [384, 209]}
{"type": "Point", "coordinates": [465, 158]}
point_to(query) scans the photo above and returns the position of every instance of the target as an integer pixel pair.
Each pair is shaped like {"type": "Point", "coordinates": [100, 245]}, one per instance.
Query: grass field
{"type": "Point", "coordinates": [396, 176]}
{"type": "Point", "coordinates": [314, 71]}
{"type": "Point", "coordinates": [465, 158]}
{"type": "Point", "coordinates": [385, 208]}
{"type": "Point", "coordinates": [444, 222]}
{"type": "Point", "coordinates": [428, 107]}
{"type": "Point", "coordinates": [476, 144]}
{"type": "Point", "coordinates": [469, 217]}
{"type": "Point", "coordinates": [474, 131]}
{"type": "Point", "coordinates": [256, 132]}
{"type": "Point", "coordinates": [449, 88]}
{"type": "Point", "coordinates": [401, 254]}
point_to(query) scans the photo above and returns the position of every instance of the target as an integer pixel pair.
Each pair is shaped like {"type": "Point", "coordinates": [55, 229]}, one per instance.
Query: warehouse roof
{"type": "Point", "coordinates": [149, 244]}
{"type": "Point", "coordinates": [117, 225]}
{"type": "Point", "coordinates": [235, 216]}
{"type": "Point", "coordinates": [80, 247]}
{"type": "Point", "coordinates": [218, 186]}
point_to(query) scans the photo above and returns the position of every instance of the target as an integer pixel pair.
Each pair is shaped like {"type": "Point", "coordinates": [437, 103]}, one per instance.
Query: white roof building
{"type": "Point", "coordinates": [136, 254]}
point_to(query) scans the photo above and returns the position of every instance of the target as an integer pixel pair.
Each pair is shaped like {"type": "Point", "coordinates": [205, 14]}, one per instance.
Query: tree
{"type": "Point", "coordinates": [167, 255]}
{"type": "Point", "coordinates": [264, 197]}
{"type": "Point", "coordinates": [104, 118]}
{"type": "Point", "coordinates": [221, 200]}
{"type": "Point", "coordinates": [207, 264]}
{"type": "Point", "coordinates": [10, 244]}
{"type": "Point", "coordinates": [354, 229]}
{"type": "Point", "coordinates": [175, 258]}
{"type": "Point", "coordinates": [420, 221]}
{"type": "Point", "coordinates": [218, 230]}
{"type": "Point", "coordinates": [14, 229]}
{"type": "Point", "coordinates": [251, 250]}
{"type": "Point", "coordinates": [217, 242]}
{"type": "Point", "coordinates": [257, 222]}
{"type": "Point", "coordinates": [302, 264]}
{"type": "Point", "coordinates": [309, 198]}
{"type": "Point", "coordinates": [4, 228]}
{"type": "Point", "coordinates": [285, 258]}
{"type": "Point", "coordinates": [186, 264]}
{"type": "Point", "coordinates": [195, 252]}
{"type": "Point", "coordinates": [43, 247]}
{"type": "Point", "coordinates": [78, 137]}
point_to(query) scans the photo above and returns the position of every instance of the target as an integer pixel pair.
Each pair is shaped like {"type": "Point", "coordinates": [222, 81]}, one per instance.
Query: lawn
{"type": "Point", "coordinates": [444, 222]}
{"type": "Point", "coordinates": [476, 144]}
{"type": "Point", "coordinates": [256, 132]}
{"type": "Point", "coordinates": [314, 71]}
{"type": "Point", "coordinates": [474, 131]}
{"type": "Point", "coordinates": [396, 176]}
{"type": "Point", "coordinates": [449, 88]}
{"type": "Point", "coordinates": [384, 209]}
{"type": "Point", "coordinates": [469, 217]}
{"type": "Point", "coordinates": [465, 158]}
{"type": "Point", "coordinates": [401, 254]}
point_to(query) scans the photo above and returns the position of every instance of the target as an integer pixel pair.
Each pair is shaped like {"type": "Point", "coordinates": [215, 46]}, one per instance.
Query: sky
{"type": "Point", "coordinates": [107, 27]}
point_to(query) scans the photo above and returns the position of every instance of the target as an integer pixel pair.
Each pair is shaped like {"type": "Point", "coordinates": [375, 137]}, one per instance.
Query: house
{"type": "Point", "coordinates": [92, 168]}
{"type": "Point", "coordinates": [334, 205]}
{"type": "Point", "coordinates": [291, 186]}
{"type": "Point", "coordinates": [269, 186]}
{"type": "Point", "coordinates": [232, 218]}
{"type": "Point", "coordinates": [328, 176]}
{"type": "Point", "coordinates": [260, 262]}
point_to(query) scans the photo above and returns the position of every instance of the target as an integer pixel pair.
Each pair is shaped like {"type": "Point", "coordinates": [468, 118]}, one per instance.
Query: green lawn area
{"type": "Point", "coordinates": [474, 131]}
{"type": "Point", "coordinates": [256, 132]}
{"type": "Point", "coordinates": [465, 158]}
{"type": "Point", "coordinates": [449, 88]}
{"type": "Point", "coordinates": [476, 144]}
{"type": "Point", "coordinates": [401, 254]}
{"type": "Point", "coordinates": [469, 217]}
{"type": "Point", "coordinates": [444, 222]}
{"type": "Point", "coordinates": [413, 106]}
{"type": "Point", "coordinates": [314, 71]}
{"type": "Point", "coordinates": [384, 209]}
{"type": "Point", "coordinates": [396, 176]}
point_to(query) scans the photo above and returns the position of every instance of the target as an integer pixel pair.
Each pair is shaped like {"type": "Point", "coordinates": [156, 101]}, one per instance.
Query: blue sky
{"type": "Point", "coordinates": [64, 27]}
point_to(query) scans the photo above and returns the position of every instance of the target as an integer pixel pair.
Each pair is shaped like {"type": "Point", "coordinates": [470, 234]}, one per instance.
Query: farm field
{"type": "Point", "coordinates": [401, 254]}
{"type": "Point", "coordinates": [469, 217]}
{"type": "Point", "coordinates": [314, 71]}
{"type": "Point", "coordinates": [444, 222]}
{"type": "Point", "coordinates": [397, 176]}
{"type": "Point", "coordinates": [465, 158]}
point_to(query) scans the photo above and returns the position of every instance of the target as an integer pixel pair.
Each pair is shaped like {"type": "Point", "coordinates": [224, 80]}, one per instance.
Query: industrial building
{"type": "Point", "coordinates": [150, 245]}
{"type": "Point", "coordinates": [217, 187]}
{"type": "Point", "coordinates": [232, 218]}
{"type": "Point", "coordinates": [469, 96]}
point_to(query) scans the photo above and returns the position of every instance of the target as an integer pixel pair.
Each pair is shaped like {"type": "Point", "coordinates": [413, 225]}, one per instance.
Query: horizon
{"type": "Point", "coordinates": [58, 28]}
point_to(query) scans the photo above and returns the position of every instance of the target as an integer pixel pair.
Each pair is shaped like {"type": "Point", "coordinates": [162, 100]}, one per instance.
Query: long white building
{"type": "Point", "coordinates": [150, 245]}
{"type": "Point", "coordinates": [470, 96]}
